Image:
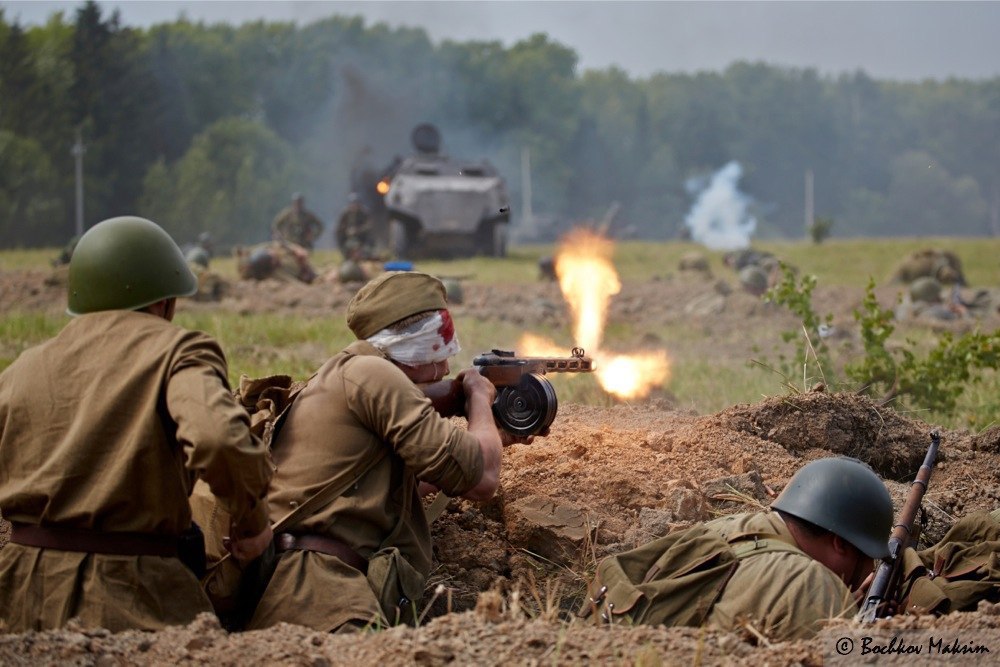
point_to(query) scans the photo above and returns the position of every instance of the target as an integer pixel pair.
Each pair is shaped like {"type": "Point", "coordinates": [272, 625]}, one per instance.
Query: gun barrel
{"type": "Point", "coordinates": [901, 531]}
{"type": "Point", "coordinates": [886, 576]}
{"type": "Point", "coordinates": [568, 364]}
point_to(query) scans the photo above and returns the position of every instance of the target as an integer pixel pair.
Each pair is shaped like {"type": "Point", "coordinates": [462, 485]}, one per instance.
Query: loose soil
{"type": "Point", "coordinates": [511, 572]}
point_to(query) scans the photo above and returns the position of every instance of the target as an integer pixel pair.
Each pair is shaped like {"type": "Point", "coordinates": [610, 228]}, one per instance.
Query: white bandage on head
{"type": "Point", "coordinates": [425, 342]}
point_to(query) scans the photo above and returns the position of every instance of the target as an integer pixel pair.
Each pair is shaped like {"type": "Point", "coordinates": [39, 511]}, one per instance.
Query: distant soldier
{"type": "Point", "coordinates": [925, 298]}
{"type": "Point", "coordinates": [547, 268]}
{"type": "Point", "coordinates": [211, 286]}
{"type": "Point", "coordinates": [205, 243]}
{"type": "Point", "coordinates": [198, 256]}
{"type": "Point", "coordinates": [694, 261]}
{"type": "Point", "coordinates": [297, 224]}
{"type": "Point", "coordinates": [60, 264]}
{"type": "Point", "coordinates": [740, 259]}
{"type": "Point", "coordinates": [354, 232]}
{"type": "Point", "coordinates": [942, 265]}
{"type": "Point", "coordinates": [453, 290]}
{"type": "Point", "coordinates": [351, 271]}
{"type": "Point", "coordinates": [67, 252]}
{"type": "Point", "coordinates": [754, 279]}
{"type": "Point", "coordinates": [281, 261]}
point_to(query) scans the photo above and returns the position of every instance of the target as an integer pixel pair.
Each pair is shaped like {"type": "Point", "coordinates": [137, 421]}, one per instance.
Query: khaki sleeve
{"type": "Point", "coordinates": [214, 431]}
{"type": "Point", "coordinates": [785, 596]}
{"type": "Point", "coordinates": [392, 407]}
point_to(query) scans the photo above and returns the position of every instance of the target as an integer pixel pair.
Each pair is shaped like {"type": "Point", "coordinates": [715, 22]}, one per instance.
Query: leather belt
{"type": "Point", "coordinates": [92, 541]}
{"type": "Point", "coordinates": [321, 544]}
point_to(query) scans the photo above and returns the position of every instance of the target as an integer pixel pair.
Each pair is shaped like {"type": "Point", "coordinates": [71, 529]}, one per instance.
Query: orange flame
{"type": "Point", "coordinates": [588, 280]}
{"type": "Point", "coordinates": [382, 187]}
{"type": "Point", "coordinates": [631, 375]}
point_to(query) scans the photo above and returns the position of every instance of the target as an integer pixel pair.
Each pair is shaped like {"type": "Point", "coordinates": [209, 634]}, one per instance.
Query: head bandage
{"type": "Point", "coordinates": [425, 342]}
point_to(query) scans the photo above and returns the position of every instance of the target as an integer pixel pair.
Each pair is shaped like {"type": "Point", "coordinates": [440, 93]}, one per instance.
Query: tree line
{"type": "Point", "coordinates": [212, 127]}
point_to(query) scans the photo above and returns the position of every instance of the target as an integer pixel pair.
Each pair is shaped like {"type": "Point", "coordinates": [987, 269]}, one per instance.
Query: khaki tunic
{"type": "Point", "coordinates": [353, 225]}
{"type": "Point", "coordinates": [302, 227]}
{"type": "Point", "coordinates": [784, 594]}
{"type": "Point", "coordinates": [358, 405]}
{"type": "Point", "coordinates": [106, 427]}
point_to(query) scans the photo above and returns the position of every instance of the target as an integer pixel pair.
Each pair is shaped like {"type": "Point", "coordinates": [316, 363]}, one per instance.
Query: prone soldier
{"type": "Point", "coordinates": [788, 569]}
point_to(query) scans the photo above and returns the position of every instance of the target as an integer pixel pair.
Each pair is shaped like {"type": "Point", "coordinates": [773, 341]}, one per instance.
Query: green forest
{"type": "Point", "coordinates": [212, 127]}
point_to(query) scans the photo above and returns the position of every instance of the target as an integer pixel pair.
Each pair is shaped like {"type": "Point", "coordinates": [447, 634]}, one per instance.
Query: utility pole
{"type": "Point", "coordinates": [809, 202]}
{"type": "Point", "coordinates": [77, 151]}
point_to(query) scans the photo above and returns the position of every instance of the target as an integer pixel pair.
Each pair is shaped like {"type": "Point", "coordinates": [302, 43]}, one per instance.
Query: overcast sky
{"type": "Point", "coordinates": [896, 40]}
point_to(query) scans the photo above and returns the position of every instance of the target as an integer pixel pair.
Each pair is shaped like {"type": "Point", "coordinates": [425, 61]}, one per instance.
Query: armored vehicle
{"type": "Point", "coordinates": [440, 206]}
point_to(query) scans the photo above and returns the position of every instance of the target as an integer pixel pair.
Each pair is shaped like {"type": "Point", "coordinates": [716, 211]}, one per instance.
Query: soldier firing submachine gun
{"type": "Point", "coordinates": [526, 402]}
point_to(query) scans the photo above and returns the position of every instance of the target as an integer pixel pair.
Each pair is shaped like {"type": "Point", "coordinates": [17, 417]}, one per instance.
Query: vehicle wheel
{"type": "Point", "coordinates": [499, 240]}
{"type": "Point", "coordinates": [399, 239]}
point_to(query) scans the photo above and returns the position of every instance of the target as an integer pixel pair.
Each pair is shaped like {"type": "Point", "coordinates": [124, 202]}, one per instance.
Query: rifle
{"type": "Point", "coordinates": [526, 402]}
{"type": "Point", "coordinates": [884, 588]}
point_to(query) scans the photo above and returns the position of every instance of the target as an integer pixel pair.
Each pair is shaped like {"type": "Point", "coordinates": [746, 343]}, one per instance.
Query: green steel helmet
{"type": "Point", "coordinates": [754, 279]}
{"type": "Point", "coordinates": [126, 263]}
{"type": "Point", "coordinates": [926, 289]}
{"type": "Point", "coordinates": [198, 256]}
{"type": "Point", "coordinates": [260, 264]}
{"type": "Point", "coordinates": [844, 496]}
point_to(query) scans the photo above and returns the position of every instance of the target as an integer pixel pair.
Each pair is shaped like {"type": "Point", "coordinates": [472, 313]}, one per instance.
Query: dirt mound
{"type": "Point", "coordinates": [841, 424]}
{"type": "Point", "coordinates": [607, 479]}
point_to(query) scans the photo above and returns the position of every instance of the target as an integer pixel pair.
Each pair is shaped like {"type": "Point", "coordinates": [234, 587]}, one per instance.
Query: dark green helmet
{"type": "Point", "coordinates": [926, 289]}
{"type": "Point", "coordinates": [351, 272]}
{"type": "Point", "coordinates": [754, 279]}
{"type": "Point", "coordinates": [126, 263]}
{"type": "Point", "coordinates": [198, 256]}
{"type": "Point", "coordinates": [844, 496]}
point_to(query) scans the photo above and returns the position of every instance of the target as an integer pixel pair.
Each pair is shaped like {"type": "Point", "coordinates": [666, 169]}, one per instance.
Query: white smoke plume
{"type": "Point", "coordinates": [719, 219]}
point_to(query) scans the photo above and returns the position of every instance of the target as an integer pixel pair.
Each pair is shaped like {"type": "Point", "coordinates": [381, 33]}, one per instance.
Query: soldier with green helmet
{"type": "Point", "coordinates": [103, 431]}
{"type": "Point", "coordinates": [351, 271]}
{"type": "Point", "coordinates": [786, 570]}
{"type": "Point", "coordinates": [281, 261]}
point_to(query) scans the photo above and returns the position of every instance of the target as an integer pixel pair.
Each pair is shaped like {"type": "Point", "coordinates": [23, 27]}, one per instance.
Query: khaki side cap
{"type": "Point", "coordinates": [391, 297]}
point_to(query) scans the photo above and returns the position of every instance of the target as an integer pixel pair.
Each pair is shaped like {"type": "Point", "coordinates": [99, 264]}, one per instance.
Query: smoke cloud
{"type": "Point", "coordinates": [719, 219]}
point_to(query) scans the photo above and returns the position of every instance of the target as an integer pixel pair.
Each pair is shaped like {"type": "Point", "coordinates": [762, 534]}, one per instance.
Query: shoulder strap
{"type": "Point", "coordinates": [745, 545]}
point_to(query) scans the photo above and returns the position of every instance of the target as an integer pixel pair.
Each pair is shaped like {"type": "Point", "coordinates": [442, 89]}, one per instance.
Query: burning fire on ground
{"type": "Point", "coordinates": [588, 280]}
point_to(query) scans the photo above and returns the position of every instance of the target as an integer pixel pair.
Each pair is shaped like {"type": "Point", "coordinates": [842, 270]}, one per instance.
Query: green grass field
{"type": "Point", "coordinates": [263, 344]}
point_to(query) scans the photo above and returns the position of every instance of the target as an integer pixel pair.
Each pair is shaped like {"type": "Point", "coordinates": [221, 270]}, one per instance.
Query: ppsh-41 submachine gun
{"type": "Point", "coordinates": [526, 402]}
